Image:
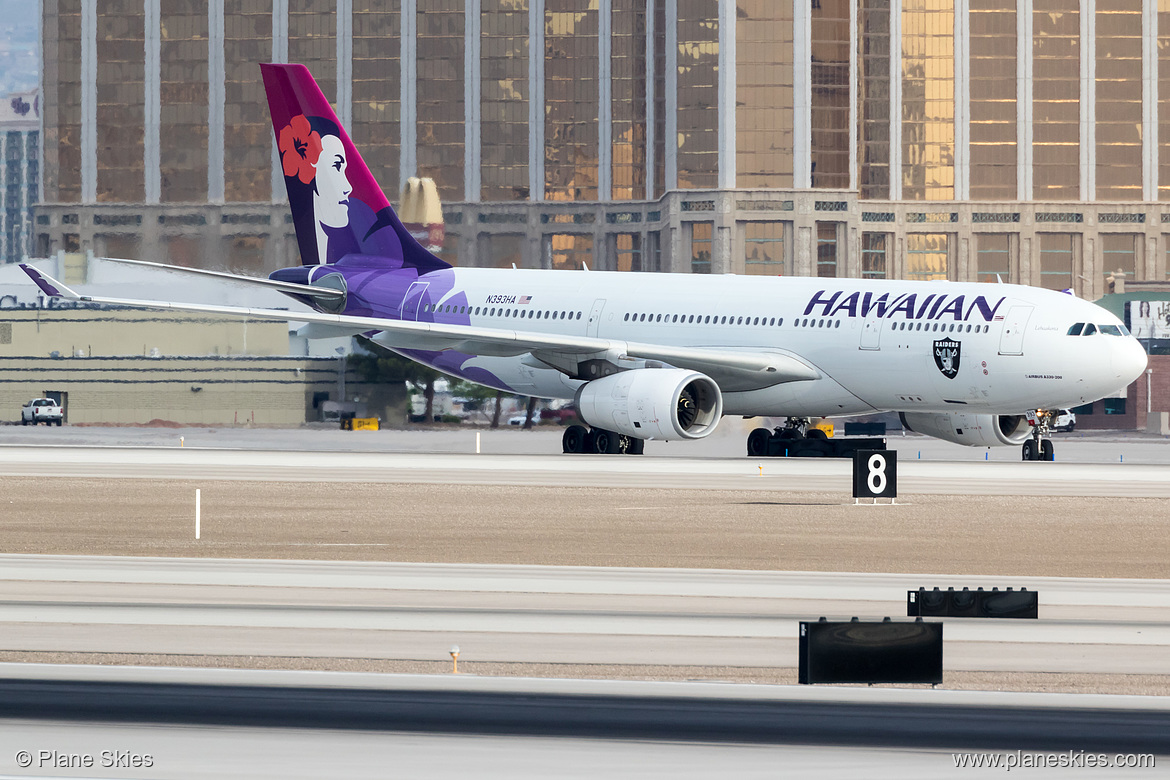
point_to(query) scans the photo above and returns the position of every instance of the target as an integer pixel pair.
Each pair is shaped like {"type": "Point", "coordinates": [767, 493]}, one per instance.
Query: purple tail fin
{"type": "Point", "coordinates": [338, 209]}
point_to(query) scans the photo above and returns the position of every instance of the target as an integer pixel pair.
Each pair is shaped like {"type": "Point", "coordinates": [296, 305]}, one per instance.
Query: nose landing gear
{"type": "Point", "coordinates": [1039, 447]}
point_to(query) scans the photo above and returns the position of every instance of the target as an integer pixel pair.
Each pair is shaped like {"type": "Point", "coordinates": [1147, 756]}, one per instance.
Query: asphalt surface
{"type": "Point", "coordinates": [523, 619]}
{"type": "Point", "coordinates": [701, 712]}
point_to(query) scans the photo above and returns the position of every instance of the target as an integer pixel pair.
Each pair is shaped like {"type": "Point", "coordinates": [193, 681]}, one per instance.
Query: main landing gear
{"type": "Point", "coordinates": [579, 439]}
{"type": "Point", "coordinates": [1039, 447]}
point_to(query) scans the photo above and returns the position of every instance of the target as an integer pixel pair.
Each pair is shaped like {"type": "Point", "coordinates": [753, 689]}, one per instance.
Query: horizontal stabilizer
{"type": "Point", "coordinates": [317, 293]}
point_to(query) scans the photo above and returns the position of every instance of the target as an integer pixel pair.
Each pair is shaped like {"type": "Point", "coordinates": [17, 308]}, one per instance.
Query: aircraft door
{"type": "Point", "coordinates": [1012, 340]}
{"type": "Point", "coordinates": [871, 333]}
{"type": "Point", "coordinates": [412, 300]}
{"type": "Point", "coordinates": [594, 318]}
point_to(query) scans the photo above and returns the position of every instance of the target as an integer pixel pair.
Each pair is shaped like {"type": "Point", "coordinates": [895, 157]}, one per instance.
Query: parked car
{"type": "Point", "coordinates": [1065, 421]}
{"type": "Point", "coordinates": [41, 410]}
{"type": "Point", "coordinates": [520, 418]}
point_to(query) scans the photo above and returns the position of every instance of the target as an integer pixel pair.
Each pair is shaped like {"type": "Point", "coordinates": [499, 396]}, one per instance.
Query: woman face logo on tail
{"type": "Point", "coordinates": [314, 162]}
{"type": "Point", "coordinates": [331, 201]}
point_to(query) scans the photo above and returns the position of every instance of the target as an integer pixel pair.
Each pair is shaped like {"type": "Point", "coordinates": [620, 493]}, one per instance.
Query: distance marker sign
{"type": "Point", "coordinates": [875, 474]}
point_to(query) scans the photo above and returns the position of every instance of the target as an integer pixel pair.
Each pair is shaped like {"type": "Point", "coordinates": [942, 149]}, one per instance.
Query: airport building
{"type": "Point", "coordinates": [916, 139]}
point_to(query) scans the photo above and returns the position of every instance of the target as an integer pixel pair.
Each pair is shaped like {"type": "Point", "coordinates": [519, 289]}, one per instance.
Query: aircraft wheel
{"type": "Point", "coordinates": [1028, 451]}
{"type": "Point", "coordinates": [573, 441]}
{"type": "Point", "coordinates": [789, 433]}
{"type": "Point", "coordinates": [816, 433]}
{"type": "Point", "coordinates": [1047, 452]}
{"type": "Point", "coordinates": [757, 442]}
{"type": "Point", "coordinates": [605, 442]}
{"type": "Point", "coordinates": [637, 447]}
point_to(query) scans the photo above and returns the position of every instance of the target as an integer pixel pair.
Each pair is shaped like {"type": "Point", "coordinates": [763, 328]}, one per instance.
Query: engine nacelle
{"type": "Point", "coordinates": [652, 403]}
{"type": "Point", "coordinates": [972, 430]}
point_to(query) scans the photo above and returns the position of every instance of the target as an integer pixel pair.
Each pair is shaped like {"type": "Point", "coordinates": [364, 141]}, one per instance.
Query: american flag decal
{"type": "Point", "coordinates": [525, 299]}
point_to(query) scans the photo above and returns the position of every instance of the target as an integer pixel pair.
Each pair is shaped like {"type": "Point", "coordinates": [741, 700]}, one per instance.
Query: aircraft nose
{"type": "Point", "coordinates": [1129, 359]}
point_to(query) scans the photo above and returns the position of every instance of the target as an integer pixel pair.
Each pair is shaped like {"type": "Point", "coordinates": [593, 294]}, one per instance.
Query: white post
{"type": "Point", "coordinates": [196, 514]}
{"type": "Point", "coordinates": [477, 442]}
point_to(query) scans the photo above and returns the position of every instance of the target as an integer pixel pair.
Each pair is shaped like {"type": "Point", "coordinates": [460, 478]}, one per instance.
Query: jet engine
{"type": "Point", "coordinates": [652, 403]}
{"type": "Point", "coordinates": [973, 430]}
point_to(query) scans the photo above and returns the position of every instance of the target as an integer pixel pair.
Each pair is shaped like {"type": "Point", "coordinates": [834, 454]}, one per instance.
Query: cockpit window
{"type": "Point", "coordinates": [1090, 329]}
{"type": "Point", "coordinates": [1075, 330]}
{"type": "Point", "coordinates": [1110, 330]}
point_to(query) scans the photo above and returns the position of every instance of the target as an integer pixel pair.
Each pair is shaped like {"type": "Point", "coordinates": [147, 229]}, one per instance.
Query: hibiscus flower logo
{"type": "Point", "coordinates": [300, 147]}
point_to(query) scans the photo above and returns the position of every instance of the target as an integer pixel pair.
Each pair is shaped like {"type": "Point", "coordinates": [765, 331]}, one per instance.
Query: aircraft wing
{"type": "Point", "coordinates": [742, 368]}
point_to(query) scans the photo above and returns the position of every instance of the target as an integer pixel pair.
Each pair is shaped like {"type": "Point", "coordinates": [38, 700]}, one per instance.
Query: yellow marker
{"type": "Point", "coordinates": [761, 471]}
{"type": "Point", "coordinates": [455, 659]}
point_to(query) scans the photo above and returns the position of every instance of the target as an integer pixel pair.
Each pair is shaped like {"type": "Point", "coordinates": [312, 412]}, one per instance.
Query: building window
{"type": "Point", "coordinates": [873, 105]}
{"type": "Point", "coordinates": [993, 99]}
{"type": "Point", "coordinates": [570, 251]}
{"type": "Point", "coordinates": [873, 255]}
{"type": "Point", "coordinates": [827, 249]}
{"type": "Point", "coordinates": [628, 248]}
{"type": "Point", "coordinates": [1113, 405]}
{"type": "Point", "coordinates": [928, 100]}
{"type": "Point", "coordinates": [763, 114]}
{"type": "Point", "coordinates": [993, 257]}
{"type": "Point", "coordinates": [1056, 90]}
{"type": "Point", "coordinates": [763, 248]}
{"type": "Point", "coordinates": [570, 101]}
{"type": "Point", "coordinates": [701, 233]}
{"type": "Point", "coordinates": [1119, 254]}
{"type": "Point", "coordinates": [1056, 261]}
{"type": "Point", "coordinates": [830, 93]}
{"type": "Point", "coordinates": [1119, 99]}
{"type": "Point", "coordinates": [1086, 410]}
{"type": "Point", "coordinates": [926, 256]}
{"type": "Point", "coordinates": [698, 94]}
{"type": "Point", "coordinates": [504, 102]}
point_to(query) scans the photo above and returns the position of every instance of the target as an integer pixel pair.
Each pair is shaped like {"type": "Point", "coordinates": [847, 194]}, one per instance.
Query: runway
{"type": "Point", "coordinates": [740, 474]}
{"type": "Point", "coordinates": [545, 615]}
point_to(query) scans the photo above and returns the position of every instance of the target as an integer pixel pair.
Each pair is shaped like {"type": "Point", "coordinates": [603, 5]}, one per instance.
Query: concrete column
{"type": "Point", "coordinates": [802, 96]}
{"type": "Point", "coordinates": [472, 110]}
{"type": "Point", "coordinates": [962, 55]}
{"type": "Point", "coordinates": [344, 40]}
{"type": "Point", "coordinates": [88, 102]}
{"type": "Point", "coordinates": [1149, 102]}
{"type": "Point", "coordinates": [604, 100]}
{"type": "Point", "coordinates": [1088, 100]}
{"type": "Point", "coordinates": [1024, 100]}
{"type": "Point", "coordinates": [895, 100]}
{"type": "Point", "coordinates": [727, 93]}
{"type": "Point", "coordinates": [651, 96]}
{"type": "Point", "coordinates": [853, 98]}
{"type": "Point", "coordinates": [216, 98]}
{"type": "Point", "coordinates": [279, 54]}
{"type": "Point", "coordinates": [536, 104]}
{"type": "Point", "coordinates": [408, 94]}
{"type": "Point", "coordinates": [671, 129]}
{"type": "Point", "coordinates": [804, 253]}
{"type": "Point", "coordinates": [152, 118]}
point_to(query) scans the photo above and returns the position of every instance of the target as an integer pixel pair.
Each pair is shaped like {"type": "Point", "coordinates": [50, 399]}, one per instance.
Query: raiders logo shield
{"type": "Point", "coordinates": [946, 357]}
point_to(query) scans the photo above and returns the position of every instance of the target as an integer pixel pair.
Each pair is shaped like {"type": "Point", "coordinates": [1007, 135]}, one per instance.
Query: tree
{"type": "Point", "coordinates": [385, 363]}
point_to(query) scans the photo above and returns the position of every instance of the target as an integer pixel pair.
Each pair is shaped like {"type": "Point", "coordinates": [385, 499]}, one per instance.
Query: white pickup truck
{"type": "Point", "coordinates": [41, 410]}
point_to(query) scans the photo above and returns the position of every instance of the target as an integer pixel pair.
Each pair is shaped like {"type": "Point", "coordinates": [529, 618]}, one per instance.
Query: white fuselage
{"type": "Point", "coordinates": [878, 345]}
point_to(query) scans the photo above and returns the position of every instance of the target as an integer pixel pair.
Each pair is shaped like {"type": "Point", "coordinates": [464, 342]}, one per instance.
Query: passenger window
{"type": "Point", "coordinates": [1090, 329]}
{"type": "Point", "coordinates": [838, 324]}
{"type": "Point", "coordinates": [780, 322]}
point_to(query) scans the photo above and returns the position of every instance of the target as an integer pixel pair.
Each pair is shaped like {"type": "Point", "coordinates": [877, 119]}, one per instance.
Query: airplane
{"type": "Point", "coordinates": [650, 356]}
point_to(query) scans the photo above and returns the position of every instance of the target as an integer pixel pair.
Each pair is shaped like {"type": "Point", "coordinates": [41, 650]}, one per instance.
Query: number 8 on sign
{"type": "Point", "coordinates": [875, 474]}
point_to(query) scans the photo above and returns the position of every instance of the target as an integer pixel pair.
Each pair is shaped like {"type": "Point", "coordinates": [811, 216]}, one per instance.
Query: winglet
{"type": "Point", "coordinates": [50, 286]}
